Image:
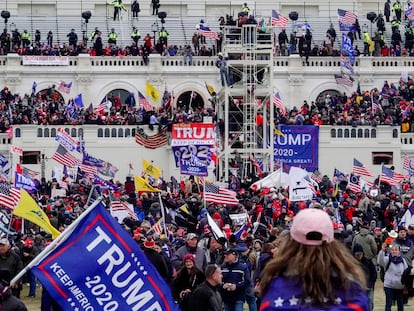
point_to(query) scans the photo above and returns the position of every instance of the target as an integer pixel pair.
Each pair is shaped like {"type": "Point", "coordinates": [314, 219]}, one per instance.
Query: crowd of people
{"type": "Point", "coordinates": [387, 40]}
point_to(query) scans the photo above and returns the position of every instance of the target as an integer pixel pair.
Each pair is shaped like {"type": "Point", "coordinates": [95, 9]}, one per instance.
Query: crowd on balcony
{"type": "Point", "coordinates": [390, 105]}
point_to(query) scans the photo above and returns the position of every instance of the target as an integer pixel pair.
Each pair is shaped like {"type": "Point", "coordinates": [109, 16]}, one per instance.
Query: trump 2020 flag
{"type": "Point", "coordinates": [98, 266]}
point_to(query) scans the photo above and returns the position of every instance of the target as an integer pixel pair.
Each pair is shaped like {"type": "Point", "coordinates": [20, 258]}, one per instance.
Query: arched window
{"type": "Point", "coordinates": [346, 133]}
{"type": "Point", "coordinates": [127, 132]}
{"type": "Point", "coordinates": [340, 133]}
{"type": "Point", "coordinates": [353, 133]}
{"type": "Point", "coordinates": [359, 133]}
{"type": "Point", "coordinates": [366, 133]}
{"type": "Point", "coordinates": [373, 133]}
{"type": "Point", "coordinates": [18, 133]}
{"type": "Point", "coordinates": [100, 132]}
{"type": "Point", "coordinates": [120, 132]}
{"type": "Point", "coordinates": [46, 133]}
{"type": "Point", "coordinates": [333, 133]}
{"type": "Point", "coordinates": [113, 133]}
{"type": "Point", "coordinates": [53, 132]}
{"type": "Point", "coordinates": [73, 133]}
{"type": "Point", "coordinates": [39, 132]}
{"type": "Point", "coordinates": [107, 132]}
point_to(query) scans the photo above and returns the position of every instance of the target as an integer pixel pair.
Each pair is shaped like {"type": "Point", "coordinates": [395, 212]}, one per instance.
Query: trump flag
{"type": "Point", "coordinates": [98, 266]}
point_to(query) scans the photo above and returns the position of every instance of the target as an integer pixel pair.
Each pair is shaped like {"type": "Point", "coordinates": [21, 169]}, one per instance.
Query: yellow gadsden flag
{"type": "Point", "coordinates": [28, 209]}
{"type": "Point", "coordinates": [152, 92]}
{"type": "Point", "coordinates": [142, 185]}
{"type": "Point", "coordinates": [150, 169]}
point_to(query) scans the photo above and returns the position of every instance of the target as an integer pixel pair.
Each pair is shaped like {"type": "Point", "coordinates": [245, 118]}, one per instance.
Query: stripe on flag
{"type": "Point", "coordinates": [278, 20]}
{"type": "Point", "coordinates": [64, 157]}
{"type": "Point", "coordinates": [151, 141]}
{"type": "Point", "coordinates": [215, 194]}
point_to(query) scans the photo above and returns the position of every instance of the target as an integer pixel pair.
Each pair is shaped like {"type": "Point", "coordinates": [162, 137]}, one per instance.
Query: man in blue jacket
{"type": "Point", "coordinates": [236, 278]}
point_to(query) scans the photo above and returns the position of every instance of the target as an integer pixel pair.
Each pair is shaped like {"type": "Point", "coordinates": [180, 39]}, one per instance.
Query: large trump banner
{"type": "Point", "coordinates": [100, 267]}
{"type": "Point", "coordinates": [191, 144]}
{"type": "Point", "coordinates": [297, 146]}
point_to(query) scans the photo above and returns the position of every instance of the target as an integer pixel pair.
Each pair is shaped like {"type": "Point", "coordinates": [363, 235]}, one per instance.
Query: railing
{"type": "Point", "coordinates": [398, 63]}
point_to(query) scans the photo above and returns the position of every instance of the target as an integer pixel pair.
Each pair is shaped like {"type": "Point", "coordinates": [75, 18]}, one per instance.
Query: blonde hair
{"type": "Point", "coordinates": [314, 266]}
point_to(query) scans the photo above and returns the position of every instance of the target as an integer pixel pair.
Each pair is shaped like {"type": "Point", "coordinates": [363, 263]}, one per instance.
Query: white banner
{"type": "Point", "coordinates": [238, 219]}
{"type": "Point", "coordinates": [46, 60]}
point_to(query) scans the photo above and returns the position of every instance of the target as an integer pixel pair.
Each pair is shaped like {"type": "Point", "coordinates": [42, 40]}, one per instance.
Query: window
{"type": "Point", "coordinates": [30, 157]}
{"type": "Point", "coordinates": [379, 158]}
{"type": "Point", "coordinates": [39, 132]}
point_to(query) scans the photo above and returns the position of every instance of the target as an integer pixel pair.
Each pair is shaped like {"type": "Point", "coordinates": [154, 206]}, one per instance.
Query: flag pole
{"type": "Point", "coordinates": [162, 213]}
{"type": "Point", "coordinates": [379, 178]}
{"type": "Point", "coordinates": [52, 246]}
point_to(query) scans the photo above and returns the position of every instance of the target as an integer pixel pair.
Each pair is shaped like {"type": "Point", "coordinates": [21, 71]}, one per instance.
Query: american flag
{"type": "Point", "coordinates": [88, 169]}
{"type": "Point", "coordinates": [342, 79]}
{"type": "Point", "coordinates": [310, 184]}
{"type": "Point", "coordinates": [9, 196]}
{"type": "Point", "coordinates": [388, 176]}
{"type": "Point", "coordinates": [64, 157]}
{"type": "Point", "coordinates": [408, 165]}
{"type": "Point", "coordinates": [65, 87]}
{"type": "Point", "coordinates": [144, 102]}
{"type": "Point", "coordinates": [157, 227]}
{"type": "Point", "coordinates": [26, 171]}
{"type": "Point", "coordinates": [360, 169]}
{"type": "Point", "coordinates": [278, 20]}
{"type": "Point", "coordinates": [152, 141]}
{"type": "Point", "coordinates": [215, 194]}
{"type": "Point", "coordinates": [277, 101]}
{"type": "Point", "coordinates": [346, 17]}
{"type": "Point", "coordinates": [208, 33]}
{"type": "Point", "coordinates": [317, 176]}
{"type": "Point", "coordinates": [104, 106]}
{"type": "Point", "coordinates": [122, 206]}
{"type": "Point", "coordinates": [353, 183]}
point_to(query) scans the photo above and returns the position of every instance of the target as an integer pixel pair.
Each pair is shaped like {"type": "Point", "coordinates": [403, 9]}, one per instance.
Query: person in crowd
{"type": "Point", "coordinates": [370, 272]}
{"type": "Point", "coordinates": [221, 63]}
{"type": "Point", "coordinates": [29, 252]}
{"type": "Point", "coordinates": [135, 35]}
{"type": "Point", "coordinates": [397, 8]}
{"type": "Point", "coordinates": [112, 37]}
{"type": "Point", "coordinates": [10, 265]}
{"type": "Point", "coordinates": [187, 279]}
{"type": "Point", "coordinates": [236, 279]}
{"type": "Point", "coordinates": [155, 258]}
{"type": "Point", "coordinates": [190, 247]}
{"type": "Point", "coordinates": [206, 296]}
{"type": "Point", "coordinates": [73, 38]}
{"type": "Point", "coordinates": [118, 7]}
{"type": "Point", "coordinates": [296, 279]}
{"type": "Point", "coordinates": [155, 6]}
{"type": "Point", "coordinates": [135, 9]}
{"type": "Point", "coordinates": [389, 257]}
{"type": "Point", "coordinates": [49, 38]}
{"type": "Point", "coordinates": [367, 241]}
{"type": "Point", "coordinates": [387, 10]}
{"type": "Point", "coordinates": [188, 55]}
{"type": "Point", "coordinates": [8, 302]}
{"type": "Point", "coordinates": [406, 245]}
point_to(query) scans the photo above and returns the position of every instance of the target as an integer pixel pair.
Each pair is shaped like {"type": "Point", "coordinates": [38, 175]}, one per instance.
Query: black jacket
{"type": "Point", "coordinates": [206, 298]}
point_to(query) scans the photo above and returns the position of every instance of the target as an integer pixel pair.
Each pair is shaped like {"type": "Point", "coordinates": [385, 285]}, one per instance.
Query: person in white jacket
{"type": "Point", "coordinates": [394, 265]}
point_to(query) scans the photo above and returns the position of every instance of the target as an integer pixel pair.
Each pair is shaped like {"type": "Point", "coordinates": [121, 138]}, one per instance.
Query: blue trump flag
{"type": "Point", "coordinates": [97, 265]}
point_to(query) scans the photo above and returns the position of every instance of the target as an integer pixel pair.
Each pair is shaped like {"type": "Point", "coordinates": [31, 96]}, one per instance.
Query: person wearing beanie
{"type": "Point", "coordinates": [187, 279]}
{"type": "Point", "coordinates": [155, 258]}
{"type": "Point", "coordinates": [367, 241]}
{"type": "Point", "coordinates": [296, 280]}
{"type": "Point", "coordinates": [370, 272]}
{"type": "Point", "coordinates": [190, 247]}
{"type": "Point", "coordinates": [206, 297]}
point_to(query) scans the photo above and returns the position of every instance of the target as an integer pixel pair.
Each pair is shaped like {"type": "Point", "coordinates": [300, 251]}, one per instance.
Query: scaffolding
{"type": "Point", "coordinates": [245, 105]}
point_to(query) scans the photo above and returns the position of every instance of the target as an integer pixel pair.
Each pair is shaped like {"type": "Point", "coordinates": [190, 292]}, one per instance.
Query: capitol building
{"type": "Point", "coordinates": [250, 55]}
